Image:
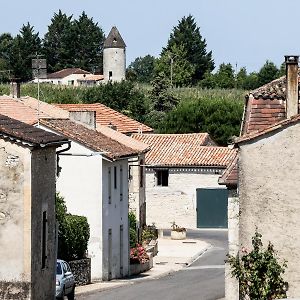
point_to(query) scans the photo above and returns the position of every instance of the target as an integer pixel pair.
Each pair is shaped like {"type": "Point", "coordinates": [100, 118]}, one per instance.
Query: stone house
{"type": "Point", "coordinates": [27, 109]}
{"type": "Point", "coordinates": [176, 165]}
{"type": "Point", "coordinates": [94, 182]}
{"type": "Point", "coordinates": [107, 117]}
{"type": "Point", "coordinates": [69, 76]}
{"type": "Point", "coordinates": [27, 211]}
{"type": "Point", "coordinates": [103, 150]}
{"type": "Point", "coordinates": [265, 173]}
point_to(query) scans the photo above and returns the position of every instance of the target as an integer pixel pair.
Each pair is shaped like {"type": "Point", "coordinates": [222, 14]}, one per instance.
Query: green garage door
{"type": "Point", "coordinates": [212, 208]}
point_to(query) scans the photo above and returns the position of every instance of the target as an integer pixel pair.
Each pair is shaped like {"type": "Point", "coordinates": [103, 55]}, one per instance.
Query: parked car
{"type": "Point", "coordinates": [65, 283]}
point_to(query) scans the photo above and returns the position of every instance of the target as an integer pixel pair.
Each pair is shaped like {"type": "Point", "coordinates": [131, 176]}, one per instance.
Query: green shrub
{"type": "Point", "coordinates": [259, 273]}
{"type": "Point", "coordinates": [73, 233]}
{"type": "Point", "coordinates": [132, 220]}
{"type": "Point", "coordinates": [149, 233]}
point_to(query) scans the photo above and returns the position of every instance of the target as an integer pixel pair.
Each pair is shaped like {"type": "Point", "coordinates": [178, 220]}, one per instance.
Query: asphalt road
{"type": "Point", "coordinates": [203, 280]}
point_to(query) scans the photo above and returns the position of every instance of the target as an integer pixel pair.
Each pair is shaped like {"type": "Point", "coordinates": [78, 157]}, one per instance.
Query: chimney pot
{"type": "Point", "coordinates": [292, 93]}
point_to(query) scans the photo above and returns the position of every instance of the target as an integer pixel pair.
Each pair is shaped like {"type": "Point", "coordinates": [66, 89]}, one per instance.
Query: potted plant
{"type": "Point", "coordinates": [177, 232]}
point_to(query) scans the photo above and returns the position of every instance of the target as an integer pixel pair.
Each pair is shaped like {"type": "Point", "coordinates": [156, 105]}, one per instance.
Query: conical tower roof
{"type": "Point", "coordinates": [114, 39]}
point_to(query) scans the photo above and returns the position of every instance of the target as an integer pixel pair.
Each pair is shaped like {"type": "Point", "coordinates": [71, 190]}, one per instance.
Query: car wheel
{"type": "Point", "coordinates": [62, 297]}
{"type": "Point", "coordinates": [71, 296]}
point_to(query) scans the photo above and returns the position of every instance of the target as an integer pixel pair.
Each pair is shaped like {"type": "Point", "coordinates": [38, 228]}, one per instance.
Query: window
{"type": "Point", "coordinates": [162, 177]}
{"type": "Point", "coordinates": [44, 239]}
{"type": "Point", "coordinates": [109, 185]}
{"type": "Point", "coordinates": [109, 75]}
{"type": "Point", "coordinates": [115, 178]}
{"type": "Point", "coordinates": [121, 183]}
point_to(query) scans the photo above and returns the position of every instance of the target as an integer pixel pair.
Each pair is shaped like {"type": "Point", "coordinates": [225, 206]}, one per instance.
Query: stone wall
{"type": "Point", "coordinates": [81, 270]}
{"type": "Point", "coordinates": [231, 283]}
{"type": "Point", "coordinates": [15, 290]}
{"type": "Point", "coordinates": [269, 189]}
{"type": "Point", "coordinates": [177, 201]}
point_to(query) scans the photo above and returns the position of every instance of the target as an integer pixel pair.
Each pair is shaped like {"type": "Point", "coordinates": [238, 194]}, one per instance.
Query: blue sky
{"type": "Point", "coordinates": [242, 32]}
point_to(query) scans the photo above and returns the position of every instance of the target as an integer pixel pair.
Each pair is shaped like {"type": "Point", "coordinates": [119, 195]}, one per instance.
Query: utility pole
{"type": "Point", "coordinates": [39, 69]}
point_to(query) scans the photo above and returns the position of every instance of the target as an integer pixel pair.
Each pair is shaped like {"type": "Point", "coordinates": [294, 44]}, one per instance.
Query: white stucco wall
{"type": "Point", "coordinates": [83, 182]}
{"type": "Point", "coordinates": [269, 189]}
{"type": "Point", "coordinates": [115, 214]}
{"type": "Point", "coordinates": [231, 283]}
{"type": "Point", "coordinates": [66, 80]}
{"type": "Point", "coordinates": [176, 202]}
{"type": "Point", "coordinates": [114, 60]}
{"type": "Point", "coordinates": [137, 193]}
{"type": "Point", "coordinates": [80, 183]}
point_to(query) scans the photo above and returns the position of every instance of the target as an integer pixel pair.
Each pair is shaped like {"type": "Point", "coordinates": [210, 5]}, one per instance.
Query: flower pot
{"type": "Point", "coordinates": [178, 235]}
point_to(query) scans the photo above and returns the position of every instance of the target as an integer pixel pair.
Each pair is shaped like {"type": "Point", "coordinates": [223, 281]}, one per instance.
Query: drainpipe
{"type": "Point", "coordinates": [58, 168]}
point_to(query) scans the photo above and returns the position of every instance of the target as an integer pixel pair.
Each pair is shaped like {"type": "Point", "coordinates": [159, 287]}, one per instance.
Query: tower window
{"type": "Point", "coordinates": [109, 75]}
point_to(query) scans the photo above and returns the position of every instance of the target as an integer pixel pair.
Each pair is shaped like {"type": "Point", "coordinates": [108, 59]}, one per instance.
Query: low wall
{"type": "Point", "coordinates": [140, 268]}
{"type": "Point", "coordinates": [15, 290]}
{"type": "Point", "coordinates": [81, 270]}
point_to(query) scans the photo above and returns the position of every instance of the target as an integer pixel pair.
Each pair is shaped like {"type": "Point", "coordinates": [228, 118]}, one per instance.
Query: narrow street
{"type": "Point", "coordinates": [202, 280]}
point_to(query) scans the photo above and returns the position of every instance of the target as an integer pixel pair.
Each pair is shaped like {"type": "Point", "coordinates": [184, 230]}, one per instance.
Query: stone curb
{"type": "Point", "coordinates": [196, 256]}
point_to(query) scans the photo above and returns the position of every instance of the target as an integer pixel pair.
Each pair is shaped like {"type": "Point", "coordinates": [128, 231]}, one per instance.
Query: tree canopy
{"type": "Point", "coordinates": [187, 35]}
{"type": "Point", "coordinates": [141, 69]}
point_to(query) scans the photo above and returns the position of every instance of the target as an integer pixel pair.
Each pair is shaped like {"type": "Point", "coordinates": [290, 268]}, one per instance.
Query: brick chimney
{"type": "Point", "coordinates": [15, 88]}
{"type": "Point", "coordinates": [291, 62]}
{"type": "Point", "coordinates": [86, 117]}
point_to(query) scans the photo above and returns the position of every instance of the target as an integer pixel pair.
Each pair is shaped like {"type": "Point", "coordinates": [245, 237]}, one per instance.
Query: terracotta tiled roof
{"type": "Point", "coordinates": [264, 107]}
{"type": "Point", "coordinates": [230, 175]}
{"type": "Point", "coordinates": [184, 150]}
{"type": "Point", "coordinates": [123, 139]}
{"type": "Point", "coordinates": [25, 109]}
{"type": "Point", "coordinates": [15, 109]}
{"type": "Point", "coordinates": [92, 78]}
{"type": "Point", "coordinates": [28, 135]}
{"type": "Point", "coordinates": [270, 129]}
{"type": "Point", "coordinates": [92, 139]}
{"type": "Point", "coordinates": [106, 116]}
{"type": "Point", "coordinates": [46, 109]}
{"type": "Point", "coordinates": [66, 72]}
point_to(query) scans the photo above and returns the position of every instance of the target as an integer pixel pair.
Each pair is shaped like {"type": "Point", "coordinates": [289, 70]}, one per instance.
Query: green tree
{"type": "Point", "coordinates": [251, 81]}
{"type": "Point", "coordinates": [241, 78]}
{"type": "Point", "coordinates": [224, 78]}
{"type": "Point", "coordinates": [88, 43]}
{"type": "Point", "coordinates": [25, 46]}
{"type": "Point", "coordinates": [141, 69]}
{"type": "Point", "coordinates": [160, 96]}
{"type": "Point", "coordinates": [57, 42]}
{"type": "Point", "coordinates": [187, 34]}
{"type": "Point", "coordinates": [209, 81]}
{"type": "Point", "coordinates": [174, 65]}
{"type": "Point", "coordinates": [282, 70]}
{"type": "Point", "coordinates": [219, 117]}
{"type": "Point", "coordinates": [267, 73]}
{"type": "Point", "coordinates": [6, 43]}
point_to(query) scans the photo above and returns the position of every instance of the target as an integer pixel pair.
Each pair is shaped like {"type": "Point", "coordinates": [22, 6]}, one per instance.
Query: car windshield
{"type": "Point", "coordinates": [58, 269]}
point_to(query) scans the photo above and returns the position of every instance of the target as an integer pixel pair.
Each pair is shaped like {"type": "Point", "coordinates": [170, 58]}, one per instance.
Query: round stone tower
{"type": "Point", "coordinates": [114, 57]}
